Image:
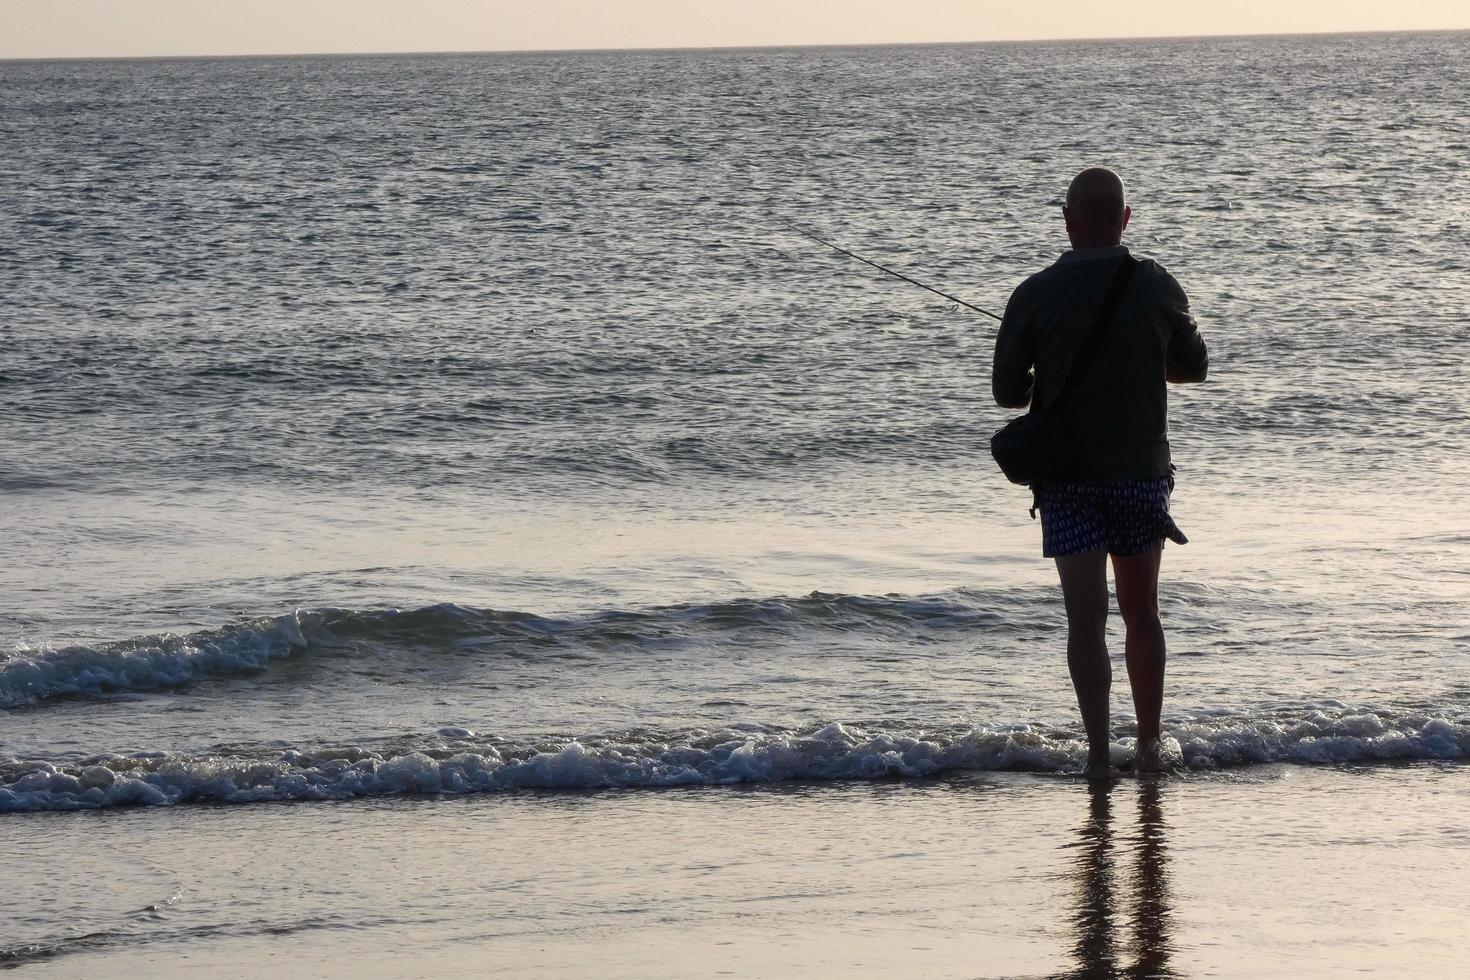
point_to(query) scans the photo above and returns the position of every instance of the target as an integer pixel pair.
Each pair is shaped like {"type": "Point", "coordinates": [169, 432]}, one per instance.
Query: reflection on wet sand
{"type": "Point", "coordinates": [1103, 863]}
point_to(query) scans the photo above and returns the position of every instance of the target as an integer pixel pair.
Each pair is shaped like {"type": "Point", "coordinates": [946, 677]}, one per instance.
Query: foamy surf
{"type": "Point", "coordinates": [455, 760]}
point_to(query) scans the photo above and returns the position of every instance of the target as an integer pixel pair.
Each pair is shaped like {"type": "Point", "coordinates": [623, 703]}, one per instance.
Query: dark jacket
{"type": "Point", "coordinates": [1118, 411]}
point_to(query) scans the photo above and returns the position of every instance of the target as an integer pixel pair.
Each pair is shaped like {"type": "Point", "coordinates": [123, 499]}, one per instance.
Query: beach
{"type": "Point", "coordinates": [453, 527]}
{"type": "Point", "coordinates": [1279, 871]}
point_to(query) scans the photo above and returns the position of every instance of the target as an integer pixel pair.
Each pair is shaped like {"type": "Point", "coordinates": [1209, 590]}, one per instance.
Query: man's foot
{"type": "Point", "coordinates": [1149, 757]}
{"type": "Point", "coordinates": [1099, 767]}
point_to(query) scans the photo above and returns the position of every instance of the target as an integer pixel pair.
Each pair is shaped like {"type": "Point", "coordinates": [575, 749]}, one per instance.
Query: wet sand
{"type": "Point", "coordinates": [1275, 871]}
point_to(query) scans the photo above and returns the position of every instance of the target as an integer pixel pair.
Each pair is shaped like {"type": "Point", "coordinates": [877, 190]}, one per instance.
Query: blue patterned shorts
{"type": "Point", "coordinates": [1126, 518]}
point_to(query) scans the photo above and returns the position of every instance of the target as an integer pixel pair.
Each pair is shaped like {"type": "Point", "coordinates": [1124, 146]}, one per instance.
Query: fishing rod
{"type": "Point", "coordinates": [884, 268]}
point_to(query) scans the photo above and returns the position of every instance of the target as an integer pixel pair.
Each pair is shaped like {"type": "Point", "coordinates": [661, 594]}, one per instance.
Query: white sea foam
{"type": "Point", "coordinates": [162, 661]}
{"type": "Point", "coordinates": [834, 752]}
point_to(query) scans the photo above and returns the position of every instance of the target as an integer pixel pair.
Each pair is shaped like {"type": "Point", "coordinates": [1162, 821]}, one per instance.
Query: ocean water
{"type": "Point", "coordinates": [388, 425]}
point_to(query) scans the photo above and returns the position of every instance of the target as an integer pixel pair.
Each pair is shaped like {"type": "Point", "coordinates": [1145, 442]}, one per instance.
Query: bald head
{"type": "Point", "coordinates": [1097, 208]}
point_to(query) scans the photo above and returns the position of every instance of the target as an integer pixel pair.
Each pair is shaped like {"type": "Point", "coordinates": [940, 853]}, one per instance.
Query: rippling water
{"type": "Point", "coordinates": [375, 425]}
{"type": "Point", "coordinates": [390, 425]}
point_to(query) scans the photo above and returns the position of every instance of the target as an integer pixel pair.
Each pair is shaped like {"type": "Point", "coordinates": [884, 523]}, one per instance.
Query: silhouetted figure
{"type": "Point", "coordinates": [1100, 951]}
{"type": "Point", "coordinates": [1115, 501]}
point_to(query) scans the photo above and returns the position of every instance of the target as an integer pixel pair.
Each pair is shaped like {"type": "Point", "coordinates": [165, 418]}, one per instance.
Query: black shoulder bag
{"type": "Point", "coordinates": [1037, 446]}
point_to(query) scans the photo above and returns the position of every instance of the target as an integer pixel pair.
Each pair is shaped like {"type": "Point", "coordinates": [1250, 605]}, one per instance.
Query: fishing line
{"type": "Point", "coordinates": [884, 268]}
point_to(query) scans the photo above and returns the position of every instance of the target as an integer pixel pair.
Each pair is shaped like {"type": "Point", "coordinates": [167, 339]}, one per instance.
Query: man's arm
{"type": "Point", "coordinates": [1187, 359]}
{"type": "Point", "coordinates": [1011, 375]}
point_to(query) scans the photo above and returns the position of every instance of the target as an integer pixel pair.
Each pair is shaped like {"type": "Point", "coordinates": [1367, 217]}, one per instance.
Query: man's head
{"type": "Point", "coordinates": [1097, 208]}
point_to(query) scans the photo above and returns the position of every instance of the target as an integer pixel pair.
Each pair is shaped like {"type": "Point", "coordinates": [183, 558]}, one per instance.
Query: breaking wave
{"type": "Point", "coordinates": [27, 677]}
{"type": "Point", "coordinates": [31, 676]}
{"type": "Point", "coordinates": [456, 760]}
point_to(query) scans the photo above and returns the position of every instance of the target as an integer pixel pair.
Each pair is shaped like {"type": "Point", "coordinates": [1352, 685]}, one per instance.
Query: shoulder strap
{"type": "Point", "coordinates": [1090, 347]}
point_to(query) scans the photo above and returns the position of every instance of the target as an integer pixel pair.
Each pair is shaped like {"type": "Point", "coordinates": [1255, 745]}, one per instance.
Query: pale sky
{"type": "Point", "coordinates": [96, 28]}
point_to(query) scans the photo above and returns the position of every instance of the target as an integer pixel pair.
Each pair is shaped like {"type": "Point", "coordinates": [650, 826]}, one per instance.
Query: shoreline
{"type": "Point", "coordinates": [1258, 871]}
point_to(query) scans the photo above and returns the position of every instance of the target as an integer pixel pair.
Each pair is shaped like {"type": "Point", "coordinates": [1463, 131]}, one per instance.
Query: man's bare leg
{"type": "Point", "coordinates": [1085, 593]}
{"type": "Point", "coordinates": [1137, 581]}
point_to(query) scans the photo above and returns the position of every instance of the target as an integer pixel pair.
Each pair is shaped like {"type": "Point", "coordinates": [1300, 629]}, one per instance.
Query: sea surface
{"type": "Point", "coordinates": [462, 424]}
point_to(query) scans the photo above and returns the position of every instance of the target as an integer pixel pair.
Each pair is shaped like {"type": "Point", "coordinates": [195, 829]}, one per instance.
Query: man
{"type": "Point", "coordinates": [1116, 502]}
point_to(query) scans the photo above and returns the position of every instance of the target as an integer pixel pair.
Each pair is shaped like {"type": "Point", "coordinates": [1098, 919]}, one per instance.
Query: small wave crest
{"type": "Point", "coordinates": [455, 760]}
{"type": "Point", "coordinates": [29, 677]}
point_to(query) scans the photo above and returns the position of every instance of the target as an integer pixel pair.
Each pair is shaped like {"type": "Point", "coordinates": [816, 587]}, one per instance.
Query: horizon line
{"type": "Point", "coordinates": [730, 47]}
